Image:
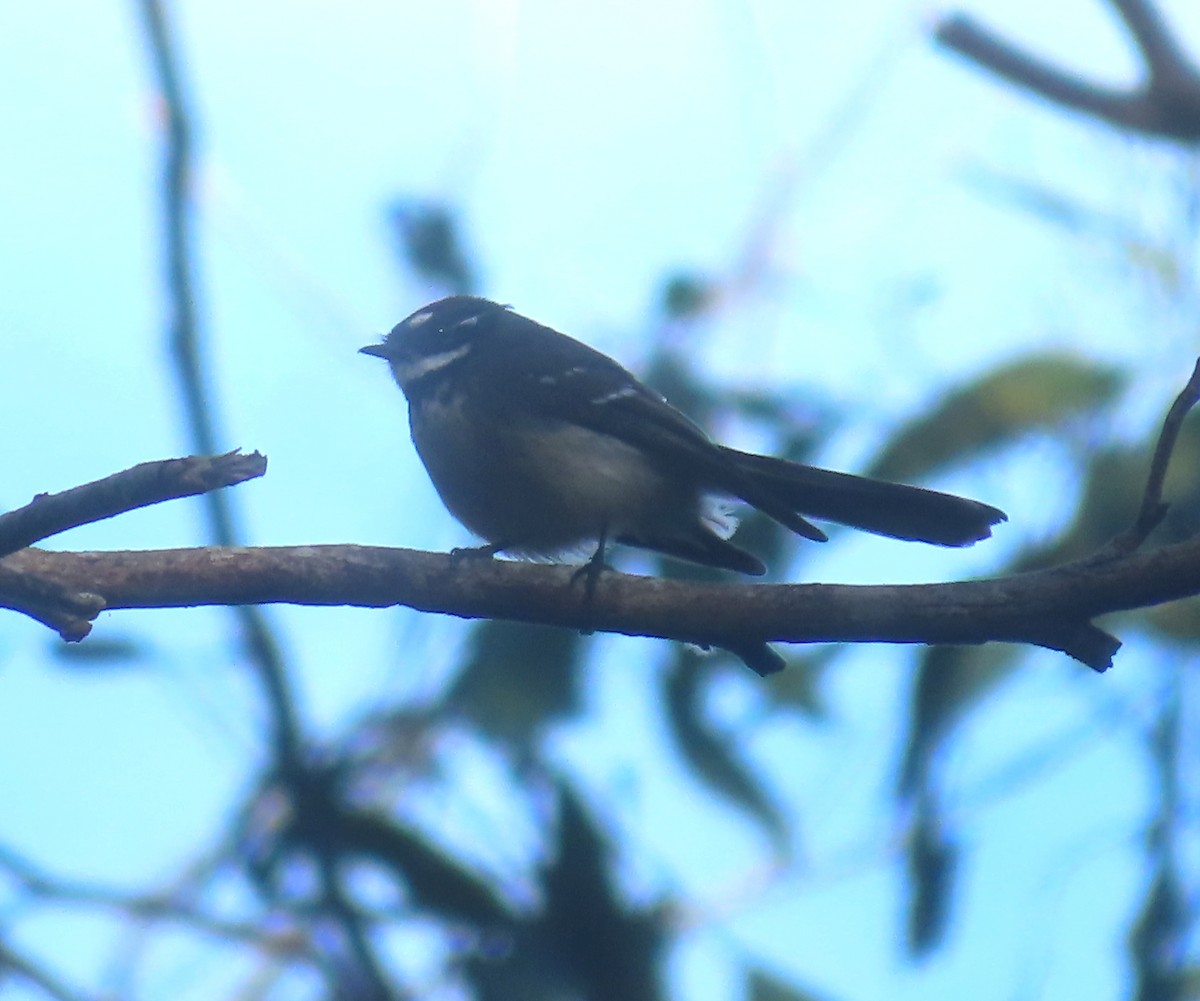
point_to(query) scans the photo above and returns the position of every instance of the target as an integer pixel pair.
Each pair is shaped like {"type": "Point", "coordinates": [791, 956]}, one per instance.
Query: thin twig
{"type": "Point", "coordinates": [142, 485]}
{"type": "Point", "coordinates": [1153, 508]}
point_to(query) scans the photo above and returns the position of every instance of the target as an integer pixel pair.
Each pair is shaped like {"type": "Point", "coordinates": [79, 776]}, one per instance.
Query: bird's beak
{"type": "Point", "coordinates": [378, 350]}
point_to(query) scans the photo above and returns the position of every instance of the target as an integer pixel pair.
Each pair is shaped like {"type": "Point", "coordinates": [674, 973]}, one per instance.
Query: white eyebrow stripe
{"type": "Point", "coordinates": [409, 372]}
{"type": "Point", "coordinates": [418, 318]}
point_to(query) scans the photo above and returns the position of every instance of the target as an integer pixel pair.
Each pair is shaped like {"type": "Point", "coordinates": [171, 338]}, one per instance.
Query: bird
{"type": "Point", "coordinates": [541, 445]}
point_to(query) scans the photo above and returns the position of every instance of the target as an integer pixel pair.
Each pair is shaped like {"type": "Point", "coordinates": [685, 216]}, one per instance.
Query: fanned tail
{"type": "Point", "coordinates": [896, 510]}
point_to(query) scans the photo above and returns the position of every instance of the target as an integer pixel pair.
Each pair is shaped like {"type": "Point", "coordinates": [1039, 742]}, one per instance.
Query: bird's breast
{"type": "Point", "coordinates": [537, 488]}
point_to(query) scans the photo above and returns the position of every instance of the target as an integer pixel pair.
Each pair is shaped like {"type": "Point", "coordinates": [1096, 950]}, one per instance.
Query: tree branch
{"type": "Point", "coordinates": [143, 485]}
{"type": "Point", "coordinates": [68, 613]}
{"type": "Point", "coordinates": [1050, 608]}
{"type": "Point", "coordinates": [1166, 105]}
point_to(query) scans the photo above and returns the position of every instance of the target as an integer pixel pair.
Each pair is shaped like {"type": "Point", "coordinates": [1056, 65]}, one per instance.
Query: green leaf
{"type": "Point", "coordinates": [1157, 936]}
{"type": "Point", "coordinates": [764, 986]}
{"type": "Point", "coordinates": [1114, 482]}
{"type": "Point", "coordinates": [686, 295]}
{"type": "Point", "coordinates": [931, 859]}
{"type": "Point", "coordinates": [1188, 983]}
{"type": "Point", "coordinates": [951, 681]}
{"type": "Point", "coordinates": [101, 652]}
{"type": "Point", "coordinates": [798, 685]}
{"type": "Point", "coordinates": [429, 240]}
{"type": "Point", "coordinates": [1035, 392]}
{"type": "Point", "coordinates": [517, 678]}
{"type": "Point", "coordinates": [586, 942]}
{"type": "Point", "coordinates": [437, 881]}
{"type": "Point", "coordinates": [712, 755]}
{"type": "Point", "coordinates": [1176, 620]}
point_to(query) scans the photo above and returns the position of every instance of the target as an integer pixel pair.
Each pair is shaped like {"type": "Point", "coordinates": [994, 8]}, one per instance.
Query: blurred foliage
{"type": "Point", "coordinates": [556, 926]}
{"type": "Point", "coordinates": [550, 922]}
{"type": "Point", "coordinates": [1112, 487]}
{"type": "Point", "coordinates": [931, 859]}
{"type": "Point", "coordinates": [763, 986]}
{"type": "Point", "coordinates": [685, 296]}
{"type": "Point", "coordinates": [101, 653]}
{"type": "Point", "coordinates": [1157, 933]}
{"type": "Point", "coordinates": [713, 756]}
{"type": "Point", "coordinates": [585, 942]}
{"type": "Point", "coordinates": [950, 681]}
{"type": "Point", "coordinates": [1159, 262]}
{"type": "Point", "coordinates": [798, 686]}
{"type": "Point", "coordinates": [308, 817]}
{"type": "Point", "coordinates": [582, 939]}
{"type": "Point", "coordinates": [954, 682]}
{"type": "Point", "coordinates": [429, 240]}
{"type": "Point", "coordinates": [517, 679]}
{"type": "Point", "coordinates": [1038, 392]}
{"type": "Point", "coordinates": [334, 852]}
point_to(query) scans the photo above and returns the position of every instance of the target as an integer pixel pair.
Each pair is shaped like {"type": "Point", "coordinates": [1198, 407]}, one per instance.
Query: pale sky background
{"type": "Point", "coordinates": [593, 149]}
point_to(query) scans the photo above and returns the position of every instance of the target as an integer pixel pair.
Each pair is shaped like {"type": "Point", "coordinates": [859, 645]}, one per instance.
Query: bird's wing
{"type": "Point", "coordinates": [590, 389]}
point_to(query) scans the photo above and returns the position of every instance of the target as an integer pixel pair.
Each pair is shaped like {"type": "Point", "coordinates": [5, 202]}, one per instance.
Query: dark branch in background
{"type": "Point", "coordinates": [14, 964]}
{"type": "Point", "coordinates": [167, 907]}
{"type": "Point", "coordinates": [358, 972]}
{"type": "Point", "coordinates": [1167, 104]}
{"type": "Point", "coordinates": [141, 486]}
{"type": "Point", "coordinates": [1164, 57]}
{"type": "Point", "coordinates": [261, 645]}
{"type": "Point", "coordinates": [1158, 940]}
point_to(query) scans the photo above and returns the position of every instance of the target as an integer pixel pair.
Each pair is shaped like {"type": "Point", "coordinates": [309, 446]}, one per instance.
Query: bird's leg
{"type": "Point", "coordinates": [590, 571]}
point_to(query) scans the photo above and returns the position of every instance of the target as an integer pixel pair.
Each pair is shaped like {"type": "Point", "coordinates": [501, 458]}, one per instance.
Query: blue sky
{"type": "Point", "coordinates": [593, 150]}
